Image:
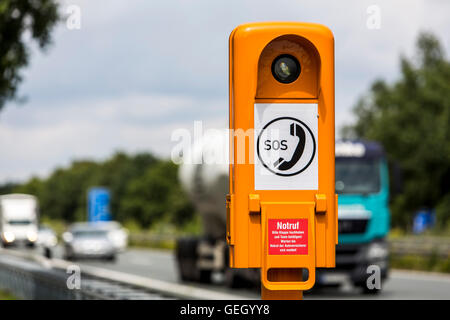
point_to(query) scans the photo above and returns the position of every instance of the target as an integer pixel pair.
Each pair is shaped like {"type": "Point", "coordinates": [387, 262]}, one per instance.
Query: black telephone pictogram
{"type": "Point", "coordinates": [295, 130]}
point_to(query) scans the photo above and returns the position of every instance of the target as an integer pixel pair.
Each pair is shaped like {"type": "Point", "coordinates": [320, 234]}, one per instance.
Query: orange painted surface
{"type": "Point", "coordinates": [252, 48]}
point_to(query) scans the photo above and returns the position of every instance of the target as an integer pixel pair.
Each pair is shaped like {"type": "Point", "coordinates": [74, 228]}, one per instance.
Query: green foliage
{"type": "Point", "coordinates": [144, 191]}
{"type": "Point", "coordinates": [411, 119]}
{"type": "Point", "coordinates": [423, 263]}
{"type": "Point", "coordinates": [7, 187]}
{"type": "Point", "coordinates": [118, 172]}
{"type": "Point", "coordinates": [156, 195]}
{"type": "Point", "coordinates": [443, 213]}
{"type": "Point", "coordinates": [18, 17]}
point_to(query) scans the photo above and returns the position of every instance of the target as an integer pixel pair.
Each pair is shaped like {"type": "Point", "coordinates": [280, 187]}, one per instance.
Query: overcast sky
{"type": "Point", "coordinates": [138, 69]}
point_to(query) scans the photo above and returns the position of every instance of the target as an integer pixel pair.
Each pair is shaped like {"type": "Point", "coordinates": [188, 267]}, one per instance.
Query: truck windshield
{"type": "Point", "coordinates": [357, 175]}
{"type": "Point", "coordinates": [19, 222]}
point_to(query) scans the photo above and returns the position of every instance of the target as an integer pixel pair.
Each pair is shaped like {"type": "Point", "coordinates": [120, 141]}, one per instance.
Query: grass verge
{"type": "Point", "coordinates": [6, 295]}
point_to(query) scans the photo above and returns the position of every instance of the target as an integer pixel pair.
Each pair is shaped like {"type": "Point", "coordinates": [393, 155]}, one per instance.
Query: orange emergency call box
{"type": "Point", "coordinates": [282, 207]}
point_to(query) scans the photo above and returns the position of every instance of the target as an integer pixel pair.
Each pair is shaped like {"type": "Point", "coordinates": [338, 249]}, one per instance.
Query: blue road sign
{"type": "Point", "coordinates": [424, 219]}
{"type": "Point", "coordinates": [98, 204]}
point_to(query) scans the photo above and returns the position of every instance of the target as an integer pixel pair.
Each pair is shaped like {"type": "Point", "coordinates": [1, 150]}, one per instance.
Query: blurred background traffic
{"type": "Point", "coordinates": [90, 94]}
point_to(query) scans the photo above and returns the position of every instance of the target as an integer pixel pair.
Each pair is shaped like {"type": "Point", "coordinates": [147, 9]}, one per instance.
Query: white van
{"type": "Point", "coordinates": [18, 219]}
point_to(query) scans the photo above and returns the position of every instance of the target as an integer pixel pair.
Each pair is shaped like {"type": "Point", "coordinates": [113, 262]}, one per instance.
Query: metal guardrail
{"type": "Point", "coordinates": [421, 246]}
{"type": "Point", "coordinates": [29, 280]}
{"type": "Point", "coordinates": [30, 276]}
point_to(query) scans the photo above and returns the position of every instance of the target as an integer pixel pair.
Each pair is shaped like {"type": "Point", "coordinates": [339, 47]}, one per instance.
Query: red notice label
{"type": "Point", "coordinates": [288, 236]}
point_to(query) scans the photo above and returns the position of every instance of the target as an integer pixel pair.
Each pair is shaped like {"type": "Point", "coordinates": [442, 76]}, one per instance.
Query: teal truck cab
{"type": "Point", "coordinates": [362, 185]}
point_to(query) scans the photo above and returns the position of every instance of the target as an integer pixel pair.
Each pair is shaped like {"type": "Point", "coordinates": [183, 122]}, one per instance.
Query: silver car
{"type": "Point", "coordinates": [86, 240]}
{"type": "Point", "coordinates": [117, 234]}
{"type": "Point", "coordinates": [46, 240]}
{"type": "Point", "coordinates": [46, 237]}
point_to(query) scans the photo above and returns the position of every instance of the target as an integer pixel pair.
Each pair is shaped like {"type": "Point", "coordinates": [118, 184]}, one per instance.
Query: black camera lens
{"type": "Point", "coordinates": [285, 68]}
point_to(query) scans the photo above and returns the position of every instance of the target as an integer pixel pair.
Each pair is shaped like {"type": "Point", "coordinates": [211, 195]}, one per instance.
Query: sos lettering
{"type": "Point", "coordinates": [275, 145]}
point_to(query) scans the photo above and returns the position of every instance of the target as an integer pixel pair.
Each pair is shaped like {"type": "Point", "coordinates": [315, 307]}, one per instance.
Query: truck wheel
{"type": "Point", "coordinates": [47, 253]}
{"type": "Point", "coordinates": [186, 254]}
{"type": "Point", "coordinates": [111, 258]}
{"type": "Point", "coordinates": [182, 274]}
{"type": "Point", "coordinates": [233, 280]}
{"type": "Point", "coordinates": [204, 276]}
{"type": "Point", "coordinates": [368, 291]}
{"type": "Point", "coordinates": [186, 268]}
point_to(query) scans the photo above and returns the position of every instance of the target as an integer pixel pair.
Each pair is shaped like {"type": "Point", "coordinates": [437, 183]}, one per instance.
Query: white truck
{"type": "Point", "coordinates": [18, 219]}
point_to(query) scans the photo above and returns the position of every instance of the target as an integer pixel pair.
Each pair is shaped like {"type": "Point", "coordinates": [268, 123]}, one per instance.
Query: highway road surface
{"type": "Point", "coordinates": [160, 264]}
